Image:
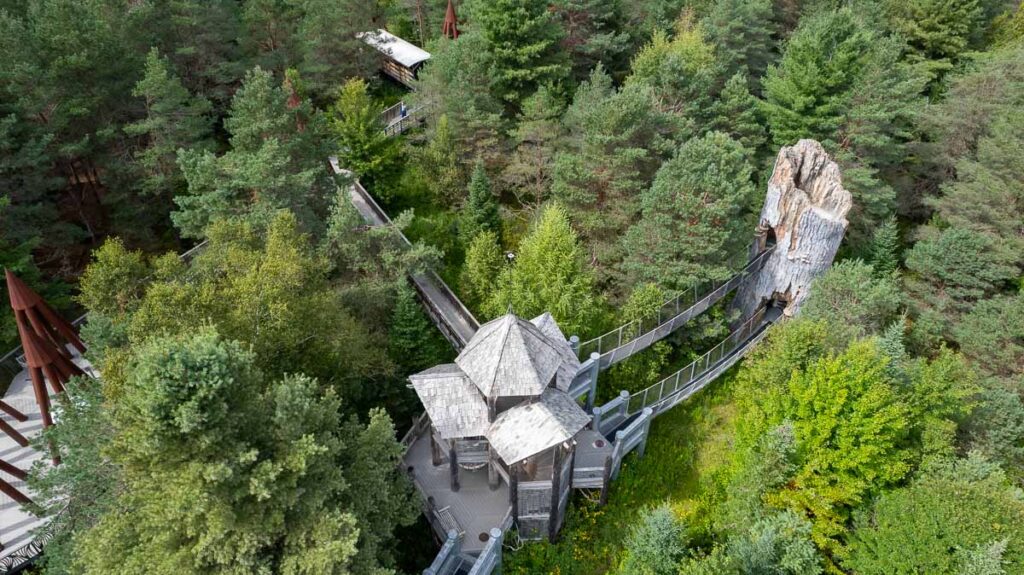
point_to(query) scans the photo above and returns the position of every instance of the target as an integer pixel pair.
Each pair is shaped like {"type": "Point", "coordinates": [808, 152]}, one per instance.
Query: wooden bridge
{"type": "Point", "coordinates": [617, 428]}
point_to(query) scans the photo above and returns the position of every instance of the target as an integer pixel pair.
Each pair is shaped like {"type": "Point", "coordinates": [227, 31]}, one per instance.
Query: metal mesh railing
{"type": "Point", "coordinates": [632, 337]}
{"type": "Point", "coordinates": [691, 378]}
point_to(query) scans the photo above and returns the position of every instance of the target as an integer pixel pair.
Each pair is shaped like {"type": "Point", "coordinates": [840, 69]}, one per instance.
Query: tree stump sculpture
{"type": "Point", "coordinates": [805, 215]}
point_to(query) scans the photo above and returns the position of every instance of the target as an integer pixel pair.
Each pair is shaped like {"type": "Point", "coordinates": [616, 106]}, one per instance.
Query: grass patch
{"type": "Point", "coordinates": [688, 449]}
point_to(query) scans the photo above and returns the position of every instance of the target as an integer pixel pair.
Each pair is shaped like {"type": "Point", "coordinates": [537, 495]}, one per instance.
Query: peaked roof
{"type": "Point", "coordinates": [510, 357]}
{"type": "Point", "coordinates": [450, 28]}
{"type": "Point", "coordinates": [30, 309]}
{"type": "Point", "coordinates": [529, 429]}
{"type": "Point", "coordinates": [570, 363]}
{"type": "Point", "coordinates": [455, 407]}
{"type": "Point", "coordinates": [405, 53]}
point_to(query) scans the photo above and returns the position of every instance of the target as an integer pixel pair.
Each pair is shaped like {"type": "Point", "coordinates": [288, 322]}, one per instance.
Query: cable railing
{"type": "Point", "coordinates": [637, 335]}
{"type": "Point", "coordinates": [683, 383]}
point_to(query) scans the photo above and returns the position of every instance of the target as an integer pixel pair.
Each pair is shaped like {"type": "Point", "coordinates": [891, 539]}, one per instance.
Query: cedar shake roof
{"type": "Point", "coordinates": [510, 357]}
{"type": "Point", "coordinates": [454, 405]}
{"type": "Point", "coordinates": [529, 429]}
{"type": "Point", "coordinates": [570, 363]}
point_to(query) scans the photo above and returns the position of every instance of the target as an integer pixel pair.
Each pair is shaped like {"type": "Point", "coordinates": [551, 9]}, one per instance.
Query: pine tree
{"type": "Point", "coordinates": [737, 114]}
{"type": "Point", "coordinates": [174, 119]}
{"type": "Point", "coordinates": [656, 545]}
{"type": "Point", "coordinates": [328, 49]}
{"type": "Point", "coordinates": [695, 216]}
{"type": "Point", "coordinates": [535, 138]}
{"type": "Point", "coordinates": [936, 31]}
{"type": "Point", "coordinates": [524, 41]}
{"type": "Point", "coordinates": [439, 161]}
{"type": "Point", "coordinates": [363, 147]}
{"type": "Point", "coordinates": [481, 213]}
{"type": "Point", "coordinates": [611, 155]}
{"type": "Point", "coordinates": [550, 274]}
{"type": "Point", "coordinates": [594, 32]}
{"type": "Point", "coordinates": [275, 161]}
{"type": "Point", "coordinates": [743, 33]}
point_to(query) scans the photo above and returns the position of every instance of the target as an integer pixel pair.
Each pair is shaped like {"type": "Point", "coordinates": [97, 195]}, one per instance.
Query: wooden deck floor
{"type": "Point", "coordinates": [474, 507]}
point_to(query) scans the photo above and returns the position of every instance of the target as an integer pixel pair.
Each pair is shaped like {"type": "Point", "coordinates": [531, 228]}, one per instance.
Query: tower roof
{"type": "Point", "coordinates": [510, 357]}
{"type": "Point", "coordinates": [22, 297]}
{"type": "Point", "coordinates": [450, 28]}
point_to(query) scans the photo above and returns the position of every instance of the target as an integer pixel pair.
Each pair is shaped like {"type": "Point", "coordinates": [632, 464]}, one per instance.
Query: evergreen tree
{"type": "Point", "coordinates": [484, 261]}
{"type": "Point", "coordinates": [743, 33]}
{"type": "Point", "coordinates": [174, 119]}
{"type": "Point", "coordinates": [737, 114]}
{"type": "Point", "coordinates": [656, 545]}
{"type": "Point", "coordinates": [936, 31]}
{"type": "Point", "coordinates": [524, 41]}
{"type": "Point", "coordinates": [535, 139]}
{"type": "Point", "coordinates": [275, 162]}
{"type": "Point", "coordinates": [440, 163]}
{"type": "Point", "coordinates": [550, 274]}
{"type": "Point", "coordinates": [854, 299]}
{"type": "Point", "coordinates": [594, 31]}
{"type": "Point", "coordinates": [457, 86]}
{"type": "Point", "coordinates": [991, 335]}
{"type": "Point", "coordinates": [363, 147]}
{"type": "Point", "coordinates": [328, 50]}
{"type": "Point", "coordinates": [695, 216]}
{"type": "Point", "coordinates": [413, 343]}
{"type": "Point", "coordinates": [885, 249]}
{"type": "Point", "coordinates": [227, 457]}
{"type": "Point", "coordinates": [934, 524]}
{"type": "Point", "coordinates": [607, 162]}
{"type": "Point", "coordinates": [481, 213]}
{"type": "Point", "coordinates": [780, 543]}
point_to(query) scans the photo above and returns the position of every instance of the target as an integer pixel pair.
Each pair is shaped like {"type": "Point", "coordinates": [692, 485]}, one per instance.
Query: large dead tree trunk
{"type": "Point", "coordinates": [805, 213]}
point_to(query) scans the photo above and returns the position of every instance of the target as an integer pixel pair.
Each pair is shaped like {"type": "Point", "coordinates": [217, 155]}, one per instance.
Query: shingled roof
{"type": "Point", "coordinates": [529, 429]}
{"type": "Point", "coordinates": [455, 407]}
{"type": "Point", "coordinates": [510, 357]}
{"type": "Point", "coordinates": [570, 363]}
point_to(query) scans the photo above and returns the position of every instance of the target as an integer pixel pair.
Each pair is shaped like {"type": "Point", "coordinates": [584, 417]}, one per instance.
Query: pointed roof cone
{"type": "Point", "coordinates": [48, 324]}
{"type": "Point", "coordinates": [451, 22]}
{"type": "Point", "coordinates": [509, 357]}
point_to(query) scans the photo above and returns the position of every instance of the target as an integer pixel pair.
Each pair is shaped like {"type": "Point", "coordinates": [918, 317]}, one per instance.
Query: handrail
{"type": "Point", "coordinates": [632, 337]}
{"type": "Point", "coordinates": [663, 395]}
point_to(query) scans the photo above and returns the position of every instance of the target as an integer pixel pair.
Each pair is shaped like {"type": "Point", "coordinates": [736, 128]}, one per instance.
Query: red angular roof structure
{"type": "Point", "coordinates": [45, 337]}
{"type": "Point", "coordinates": [451, 22]}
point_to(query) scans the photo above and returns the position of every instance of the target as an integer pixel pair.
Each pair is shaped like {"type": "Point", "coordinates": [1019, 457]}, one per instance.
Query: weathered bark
{"type": "Point", "coordinates": [805, 212]}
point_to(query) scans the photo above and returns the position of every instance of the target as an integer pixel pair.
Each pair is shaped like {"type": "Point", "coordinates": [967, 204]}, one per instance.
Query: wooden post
{"type": "Point", "coordinates": [606, 480]}
{"type": "Point", "coordinates": [595, 369]}
{"type": "Point", "coordinates": [648, 415]}
{"type": "Point", "coordinates": [492, 474]}
{"type": "Point", "coordinates": [624, 406]}
{"type": "Point", "coordinates": [620, 438]}
{"type": "Point", "coordinates": [498, 536]}
{"type": "Point", "coordinates": [595, 421]}
{"type": "Point", "coordinates": [435, 450]}
{"type": "Point", "coordinates": [574, 343]}
{"type": "Point", "coordinates": [453, 461]}
{"type": "Point", "coordinates": [10, 410]}
{"type": "Point", "coordinates": [513, 491]}
{"type": "Point", "coordinates": [556, 491]}
{"type": "Point", "coordinates": [13, 433]}
{"type": "Point", "coordinates": [12, 470]}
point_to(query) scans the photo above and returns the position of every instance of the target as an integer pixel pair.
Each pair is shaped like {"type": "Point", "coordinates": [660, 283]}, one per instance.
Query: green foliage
{"type": "Point", "coordinates": [885, 249]}
{"type": "Point", "coordinates": [777, 545]}
{"type": "Point", "coordinates": [362, 145]}
{"type": "Point", "coordinates": [484, 261]}
{"type": "Point", "coordinates": [737, 114]}
{"type": "Point", "coordinates": [225, 471]}
{"type": "Point", "coordinates": [275, 162]}
{"type": "Point", "coordinates": [608, 161]}
{"type": "Point", "coordinates": [439, 164]}
{"type": "Point", "coordinates": [481, 212]}
{"type": "Point", "coordinates": [991, 335]}
{"type": "Point", "coordinates": [656, 544]}
{"type": "Point", "coordinates": [939, 521]}
{"type": "Point", "coordinates": [952, 270]}
{"type": "Point", "coordinates": [936, 31]}
{"type": "Point", "coordinates": [114, 282]}
{"type": "Point", "coordinates": [694, 217]}
{"type": "Point", "coordinates": [413, 342]}
{"type": "Point", "coordinates": [174, 119]}
{"type": "Point", "coordinates": [758, 471]}
{"type": "Point", "coordinates": [524, 41]}
{"type": "Point", "coordinates": [594, 32]}
{"type": "Point", "coordinates": [1009, 28]}
{"type": "Point", "coordinates": [550, 274]}
{"type": "Point", "coordinates": [743, 33]}
{"type": "Point", "coordinates": [854, 300]}
{"type": "Point", "coordinates": [538, 130]}
{"type": "Point", "coordinates": [850, 426]}
{"type": "Point", "coordinates": [996, 429]}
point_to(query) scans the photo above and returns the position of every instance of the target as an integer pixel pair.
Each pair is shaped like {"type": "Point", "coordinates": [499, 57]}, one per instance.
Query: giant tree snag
{"type": "Point", "coordinates": [805, 213]}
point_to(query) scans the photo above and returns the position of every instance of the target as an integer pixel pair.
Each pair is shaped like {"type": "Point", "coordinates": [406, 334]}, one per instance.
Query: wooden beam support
{"type": "Point", "coordinates": [513, 491]}
{"type": "Point", "coordinates": [12, 470]}
{"type": "Point", "coordinates": [10, 410]}
{"type": "Point", "coordinates": [13, 433]}
{"type": "Point", "coordinates": [556, 493]}
{"type": "Point", "coordinates": [12, 492]}
{"type": "Point", "coordinates": [453, 461]}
